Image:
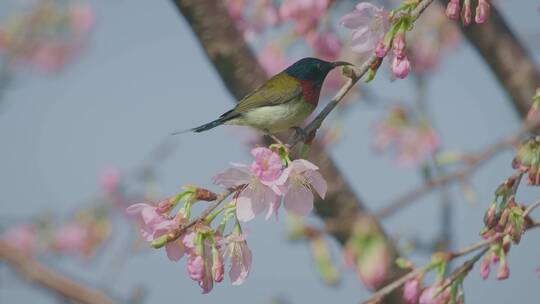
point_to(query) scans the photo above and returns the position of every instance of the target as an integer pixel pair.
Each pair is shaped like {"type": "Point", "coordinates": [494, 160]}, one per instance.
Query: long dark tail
{"type": "Point", "coordinates": [221, 120]}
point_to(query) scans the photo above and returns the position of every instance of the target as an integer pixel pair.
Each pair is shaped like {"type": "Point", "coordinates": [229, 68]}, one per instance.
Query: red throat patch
{"type": "Point", "coordinates": [311, 92]}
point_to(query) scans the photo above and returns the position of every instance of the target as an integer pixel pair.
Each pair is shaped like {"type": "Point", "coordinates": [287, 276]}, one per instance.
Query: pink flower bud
{"type": "Point", "coordinates": [482, 11]}
{"type": "Point", "coordinates": [382, 49]}
{"type": "Point", "coordinates": [504, 272]}
{"type": "Point", "coordinates": [485, 267]}
{"type": "Point", "coordinates": [452, 9]}
{"type": "Point", "coordinates": [401, 67]}
{"type": "Point", "coordinates": [411, 290]}
{"type": "Point", "coordinates": [466, 13]}
{"type": "Point", "coordinates": [538, 271]}
{"type": "Point", "coordinates": [195, 267]}
{"type": "Point", "coordinates": [398, 45]}
{"type": "Point", "coordinates": [490, 217]}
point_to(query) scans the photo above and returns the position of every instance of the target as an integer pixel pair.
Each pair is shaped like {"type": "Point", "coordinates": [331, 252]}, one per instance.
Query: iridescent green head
{"type": "Point", "coordinates": [312, 69]}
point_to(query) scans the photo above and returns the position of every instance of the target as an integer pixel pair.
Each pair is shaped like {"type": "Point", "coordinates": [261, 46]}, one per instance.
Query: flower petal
{"type": "Point", "coordinates": [175, 250]}
{"type": "Point", "coordinates": [232, 177]}
{"type": "Point", "coordinates": [301, 165]}
{"type": "Point", "coordinates": [252, 201]}
{"type": "Point", "coordinates": [240, 265]}
{"type": "Point", "coordinates": [317, 182]}
{"type": "Point", "coordinates": [298, 200]}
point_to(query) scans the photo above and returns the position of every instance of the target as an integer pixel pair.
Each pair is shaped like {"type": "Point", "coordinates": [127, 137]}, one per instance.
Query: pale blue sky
{"type": "Point", "coordinates": [144, 76]}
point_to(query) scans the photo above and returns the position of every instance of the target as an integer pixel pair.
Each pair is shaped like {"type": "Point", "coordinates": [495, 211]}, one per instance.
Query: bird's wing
{"type": "Point", "coordinates": [279, 89]}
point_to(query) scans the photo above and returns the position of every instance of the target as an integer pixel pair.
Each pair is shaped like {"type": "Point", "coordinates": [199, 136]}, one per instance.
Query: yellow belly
{"type": "Point", "coordinates": [274, 119]}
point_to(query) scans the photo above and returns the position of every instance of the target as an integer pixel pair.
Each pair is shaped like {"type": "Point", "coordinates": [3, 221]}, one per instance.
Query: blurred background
{"type": "Point", "coordinates": [88, 112]}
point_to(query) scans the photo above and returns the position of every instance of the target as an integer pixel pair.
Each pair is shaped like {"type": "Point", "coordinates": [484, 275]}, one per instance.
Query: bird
{"type": "Point", "coordinates": [281, 103]}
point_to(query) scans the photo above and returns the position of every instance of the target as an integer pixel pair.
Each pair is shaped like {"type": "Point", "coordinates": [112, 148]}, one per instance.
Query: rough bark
{"type": "Point", "coordinates": [241, 73]}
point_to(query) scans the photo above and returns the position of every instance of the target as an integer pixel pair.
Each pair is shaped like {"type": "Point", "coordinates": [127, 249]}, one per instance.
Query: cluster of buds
{"type": "Point", "coordinates": [497, 254]}
{"type": "Point", "coordinates": [415, 293]}
{"type": "Point", "coordinates": [504, 217]}
{"type": "Point", "coordinates": [395, 39]}
{"type": "Point", "coordinates": [527, 160]}
{"type": "Point", "coordinates": [454, 11]}
{"type": "Point", "coordinates": [271, 178]}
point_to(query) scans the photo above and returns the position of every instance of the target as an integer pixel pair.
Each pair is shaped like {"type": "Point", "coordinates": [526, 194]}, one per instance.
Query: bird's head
{"type": "Point", "coordinates": [312, 69]}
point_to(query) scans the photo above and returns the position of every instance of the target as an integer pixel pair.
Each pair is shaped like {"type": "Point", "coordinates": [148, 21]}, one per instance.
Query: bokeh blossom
{"type": "Point", "coordinates": [411, 141]}
{"type": "Point", "coordinates": [22, 237]}
{"type": "Point", "coordinates": [305, 14]}
{"type": "Point", "coordinates": [48, 35]}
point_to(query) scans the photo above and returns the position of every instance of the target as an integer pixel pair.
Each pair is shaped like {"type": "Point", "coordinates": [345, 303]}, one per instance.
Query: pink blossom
{"type": "Point", "coordinates": [369, 24]}
{"type": "Point", "coordinates": [305, 13]}
{"type": "Point", "coordinates": [195, 267]}
{"type": "Point", "coordinates": [272, 59]}
{"type": "Point", "coordinates": [411, 142]}
{"type": "Point", "coordinates": [109, 180]}
{"type": "Point", "coordinates": [326, 45]}
{"type": "Point", "coordinates": [297, 181]}
{"type": "Point", "coordinates": [482, 11]}
{"type": "Point", "coordinates": [428, 296]}
{"type": "Point", "coordinates": [22, 237]}
{"type": "Point", "coordinates": [453, 9]}
{"type": "Point", "coordinates": [200, 264]}
{"type": "Point", "coordinates": [147, 218]}
{"type": "Point", "coordinates": [72, 238]}
{"type": "Point", "coordinates": [237, 250]}
{"type": "Point", "coordinates": [412, 289]}
{"type": "Point", "coordinates": [267, 166]}
{"type": "Point", "coordinates": [153, 224]}
{"type": "Point", "coordinates": [260, 184]}
{"type": "Point", "coordinates": [401, 67]}
{"type": "Point", "coordinates": [82, 18]}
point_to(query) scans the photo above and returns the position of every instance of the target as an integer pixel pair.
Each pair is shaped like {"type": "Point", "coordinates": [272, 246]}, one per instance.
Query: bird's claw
{"type": "Point", "coordinates": [299, 134]}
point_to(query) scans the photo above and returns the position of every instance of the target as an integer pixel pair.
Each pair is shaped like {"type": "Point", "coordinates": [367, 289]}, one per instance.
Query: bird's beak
{"type": "Point", "coordinates": [340, 63]}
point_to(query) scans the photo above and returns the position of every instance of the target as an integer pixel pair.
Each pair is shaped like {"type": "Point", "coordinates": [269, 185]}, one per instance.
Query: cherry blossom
{"type": "Point", "coordinates": [369, 24]}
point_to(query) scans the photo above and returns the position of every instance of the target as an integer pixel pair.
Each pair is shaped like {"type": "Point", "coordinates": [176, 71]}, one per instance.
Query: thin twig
{"type": "Point", "coordinates": [475, 161]}
{"type": "Point", "coordinates": [219, 199]}
{"type": "Point", "coordinates": [463, 269]}
{"type": "Point", "coordinates": [449, 257]}
{"type": "Point", "coordinates": [358, 72]}
{"type": "Point", "coordinates": [531, 207]}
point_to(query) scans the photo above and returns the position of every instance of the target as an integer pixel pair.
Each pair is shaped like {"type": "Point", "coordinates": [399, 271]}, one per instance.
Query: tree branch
{"type": "Point", "coordinates": [475, 161]}
{"type": "Point", "coordinates": [37, 273]}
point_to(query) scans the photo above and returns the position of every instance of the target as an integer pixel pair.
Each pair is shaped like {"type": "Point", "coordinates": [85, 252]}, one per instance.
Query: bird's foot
{"type": "Point", "coordinates": [299, 135]}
